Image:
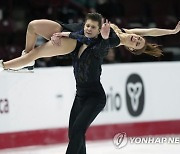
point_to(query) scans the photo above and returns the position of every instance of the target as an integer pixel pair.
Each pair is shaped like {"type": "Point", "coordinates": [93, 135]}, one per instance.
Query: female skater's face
{"type": "Point", "coordinates": [91, 28]}
{"type": "Point", "coordinates": [135, 42]}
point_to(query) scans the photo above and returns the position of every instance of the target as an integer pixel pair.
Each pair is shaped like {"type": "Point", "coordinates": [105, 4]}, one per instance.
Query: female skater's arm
{"type": "Point", "coordinates": [154, 31]}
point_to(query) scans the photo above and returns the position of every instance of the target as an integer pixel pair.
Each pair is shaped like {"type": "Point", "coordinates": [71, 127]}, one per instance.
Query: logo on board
{"type": "Point", "coordinates": [135, 96]}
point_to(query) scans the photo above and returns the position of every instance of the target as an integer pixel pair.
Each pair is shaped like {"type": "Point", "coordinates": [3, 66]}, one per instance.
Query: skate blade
{"type": "Point", "coordinates": [20, 71]}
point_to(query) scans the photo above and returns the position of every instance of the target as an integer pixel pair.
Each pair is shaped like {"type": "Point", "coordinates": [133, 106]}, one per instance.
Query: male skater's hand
{"type": "Point", "coordinates": [56, 39]}
{"type": "Point", "coordinates": [105, 30]}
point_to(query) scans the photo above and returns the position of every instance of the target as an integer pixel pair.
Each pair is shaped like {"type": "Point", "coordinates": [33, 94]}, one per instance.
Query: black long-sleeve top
{"type": "Point", "coordinates": [87, 67]}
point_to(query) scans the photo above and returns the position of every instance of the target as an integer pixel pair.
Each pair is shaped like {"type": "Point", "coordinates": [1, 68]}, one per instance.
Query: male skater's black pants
{"type": "Point", "coordinates": [89, 102]}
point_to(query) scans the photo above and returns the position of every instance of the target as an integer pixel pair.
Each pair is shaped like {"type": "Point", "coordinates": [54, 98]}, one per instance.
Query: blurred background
{"type": "Point", "coordinates": [26, 115]}
{"type": "Point", "coordinates": [16, 14]}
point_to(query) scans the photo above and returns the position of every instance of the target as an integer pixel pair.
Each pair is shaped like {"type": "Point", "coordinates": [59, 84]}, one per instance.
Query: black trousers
{"type": "Point", "coordinates": [89, 102]}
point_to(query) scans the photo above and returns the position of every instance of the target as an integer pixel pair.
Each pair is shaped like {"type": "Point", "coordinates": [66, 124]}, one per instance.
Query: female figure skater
{"type": "Point", "coordinates": [130, 38]}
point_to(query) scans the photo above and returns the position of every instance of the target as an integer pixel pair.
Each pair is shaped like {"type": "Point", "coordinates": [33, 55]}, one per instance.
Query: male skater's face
{"type": "Point", "coordinates": [91, 28]}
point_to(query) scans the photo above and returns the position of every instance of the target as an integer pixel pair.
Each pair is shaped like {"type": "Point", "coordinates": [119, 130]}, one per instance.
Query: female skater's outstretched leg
{"type": "Point", "coordinates": [45, 50]}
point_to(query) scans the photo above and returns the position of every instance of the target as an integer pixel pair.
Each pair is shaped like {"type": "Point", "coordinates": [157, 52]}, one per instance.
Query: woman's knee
{"type": "Point", "coordinates": [44, 25]}
{"type": "Point", "coordinates": [32, 25]}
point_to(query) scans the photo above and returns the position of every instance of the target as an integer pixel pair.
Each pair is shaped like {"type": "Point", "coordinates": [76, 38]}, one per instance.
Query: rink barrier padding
{"type": "Point", "coordinates": [103, 132]}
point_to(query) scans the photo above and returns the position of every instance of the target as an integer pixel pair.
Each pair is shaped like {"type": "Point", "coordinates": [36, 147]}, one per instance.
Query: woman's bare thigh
{"type": "Point", "coordinates": [50, 50]}
{"type": "Point", "coordinates": [45, 28]}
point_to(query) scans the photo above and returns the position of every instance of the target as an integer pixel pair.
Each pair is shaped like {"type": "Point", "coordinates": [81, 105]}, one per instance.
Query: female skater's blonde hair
{"type": "Point", "coordinates": [150, 49]}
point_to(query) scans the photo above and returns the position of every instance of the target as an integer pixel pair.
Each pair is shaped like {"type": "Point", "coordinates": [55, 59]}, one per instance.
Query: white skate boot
{"type": "Point", "coordinates": [26, 68]}
{"type": "Point", "coordinates": [29, 66]}
{"type": "Point", "coordinates": [1, 65]}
